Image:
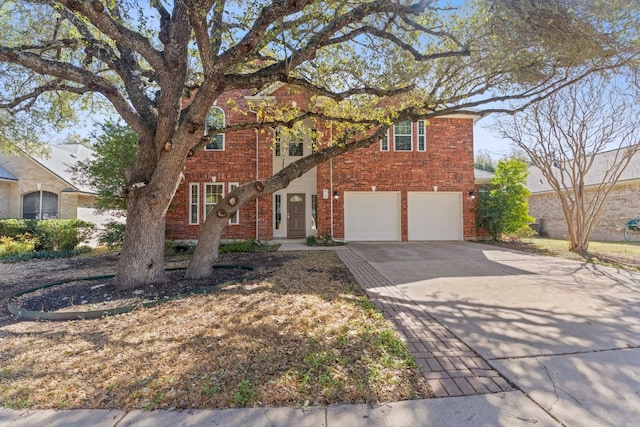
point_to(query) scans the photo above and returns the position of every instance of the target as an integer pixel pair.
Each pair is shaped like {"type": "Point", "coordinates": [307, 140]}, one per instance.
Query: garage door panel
{"type": "Point", "coordinates": [434, 215]}
{"type": "Point", "coordinates": [372, 216]}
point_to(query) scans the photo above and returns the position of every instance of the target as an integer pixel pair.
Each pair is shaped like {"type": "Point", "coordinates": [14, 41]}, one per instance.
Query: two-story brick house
{"type": "Point", "coordinates": [415, 184]}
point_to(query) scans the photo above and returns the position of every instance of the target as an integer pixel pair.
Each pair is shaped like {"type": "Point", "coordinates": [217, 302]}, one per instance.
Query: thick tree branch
{"type": "Point", "coordinates": [94, 11]}
{"type": "Point", "coordinates": [86, 78]}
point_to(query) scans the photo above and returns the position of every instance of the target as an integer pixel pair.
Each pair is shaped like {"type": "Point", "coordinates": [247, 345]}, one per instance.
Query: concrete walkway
{"type": "Point", "coordinates": [505, 338]}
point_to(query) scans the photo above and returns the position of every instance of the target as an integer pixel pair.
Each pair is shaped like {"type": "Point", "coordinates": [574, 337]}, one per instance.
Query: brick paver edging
{"type": "Point", "coordinates": [449, 365]}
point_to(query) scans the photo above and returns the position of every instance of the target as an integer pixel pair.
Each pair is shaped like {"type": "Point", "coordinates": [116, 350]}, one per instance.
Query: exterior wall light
{"type": "Point", "coordinates": [336, 195]}
{"type": "Point", "coordinates": [472, 194]}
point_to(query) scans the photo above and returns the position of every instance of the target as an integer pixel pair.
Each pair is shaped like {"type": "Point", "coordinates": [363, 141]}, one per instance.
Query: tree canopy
{"type": "Point", "coordinates": [115, 148]}
{"type": "Point", "coordinates": [369, 62]}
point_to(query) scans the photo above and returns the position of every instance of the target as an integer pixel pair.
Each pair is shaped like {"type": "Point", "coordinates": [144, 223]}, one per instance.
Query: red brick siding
{"type": "Point", "coordinates": [237, 163]}
{"type": "Point", "coordinates": [446, 163]}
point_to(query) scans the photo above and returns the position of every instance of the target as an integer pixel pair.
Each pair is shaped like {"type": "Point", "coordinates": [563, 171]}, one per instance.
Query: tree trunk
{"type": "Point", "coordinates": [207, 249]}
{"type": "Point", "coordinates": [142, 259]}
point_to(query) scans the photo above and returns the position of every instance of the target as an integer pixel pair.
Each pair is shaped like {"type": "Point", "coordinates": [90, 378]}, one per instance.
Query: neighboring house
{"type": "Point", "coordinates": [41, 187]}
{"type": "Point", "coordinates": [622, 204]}
{"type": "Point", "coordinates": [416, 184]}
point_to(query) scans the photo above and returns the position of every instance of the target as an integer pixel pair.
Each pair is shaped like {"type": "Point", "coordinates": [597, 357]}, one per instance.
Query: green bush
{"type": "Point", "coordinates": [50, 234]}
{"type": "Point", "coordinates": [112, 235]}
{"type": "Point", "coordinates": [239, 246]}
{"type": "Point", "coordinates": [311, 240]}
{"type": "Point", "coordinates": [13, 246]}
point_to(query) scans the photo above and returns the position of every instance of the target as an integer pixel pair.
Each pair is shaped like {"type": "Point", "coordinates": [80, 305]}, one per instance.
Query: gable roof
{"type": "Point", "coordinates": [60, 157]}
{"type": "Point", "coordinates": [6, 175]}
{"type": "Point", "coordinates": [482, 176]}
{"type": "Point", "coordinates": [537, 183]}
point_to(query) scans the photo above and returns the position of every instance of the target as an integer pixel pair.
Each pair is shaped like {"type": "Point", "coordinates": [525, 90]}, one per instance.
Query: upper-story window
{"type": "Point", "coordinates": [215, 120]}
{"type": "Point", "coordinates": [405, 136]}
{"type": "Point", "coordinates": [402, 136]}
{"type": "Point", "coordinates": [40, 205]}
{"type": "Point", "coordinates": [295, 145]}
{"type": "Point", "coordinates": [384, 141]}
{"type": "Point", "coordinates": [422, 140]}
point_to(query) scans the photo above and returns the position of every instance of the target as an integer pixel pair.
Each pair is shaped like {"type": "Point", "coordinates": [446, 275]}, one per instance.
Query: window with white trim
{"type": "Point", "coordinates": [422, 136]}
{"type": "Point", "coordinates": [294, 142]}
{"type": "Point", "coordinates": [194, 203]}
{"type": "Point", "coordinates": [235, 218]}
{"type": "Point", "coordinates": [213, 193]}
{"type": "Point", "coordinates": [296, 146]}
{"type": "Point", "coordinates": [384, 141]}
{"type": "Point", "coordinates": [214, 120]}
{"type": "Point", "coordinates": [402, 136]}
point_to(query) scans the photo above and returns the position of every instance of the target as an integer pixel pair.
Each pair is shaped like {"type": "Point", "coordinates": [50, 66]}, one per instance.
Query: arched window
{"type": "Point", "coordinates": [40, 205]}
{"type": "Point", "coordinates": [215, 119]}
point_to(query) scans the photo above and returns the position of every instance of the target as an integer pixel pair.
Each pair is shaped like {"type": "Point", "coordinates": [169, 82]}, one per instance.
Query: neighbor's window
{"type": "Point", "coordinates": [402, 136]}
{"type": "Point", "coordinates": [215, 119]}
{"type": "Point", "coordinates": [194, 203]}
{"type": "Point", "coordinates": [213, 193]}
{"type": "Point", "coordinates": [33, 209]}
{"type": "Point", "coordinates": [422, 144]}
{"type": "Point", "coordinates": [234, 219]}
{"type": "Point", "coordinates": [278, 211]}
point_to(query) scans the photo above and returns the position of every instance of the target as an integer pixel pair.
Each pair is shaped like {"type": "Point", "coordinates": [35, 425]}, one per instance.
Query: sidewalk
{"type": "Point", "coordinates": [473, 394]}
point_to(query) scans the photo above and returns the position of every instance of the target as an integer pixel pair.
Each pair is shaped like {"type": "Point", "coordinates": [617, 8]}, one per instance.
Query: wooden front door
{"type": "Point", "coordinates": [296, 226]}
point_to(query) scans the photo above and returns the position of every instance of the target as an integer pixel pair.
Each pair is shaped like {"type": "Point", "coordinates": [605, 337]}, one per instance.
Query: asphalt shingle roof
{"type": "Point", "coordinates": [5, 174]}
{"type": "Point", "coordinates": [537, 183]}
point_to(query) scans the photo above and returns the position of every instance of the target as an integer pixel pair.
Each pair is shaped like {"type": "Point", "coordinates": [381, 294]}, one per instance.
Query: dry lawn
{"type": "Point", "coordinates": [622, 255]}
{"type": "Point", "coordinates": [302, 333]}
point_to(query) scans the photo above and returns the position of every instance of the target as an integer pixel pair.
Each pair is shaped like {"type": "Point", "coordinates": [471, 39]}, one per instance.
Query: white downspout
{"type": "Point", "coordinates": [257, 176]}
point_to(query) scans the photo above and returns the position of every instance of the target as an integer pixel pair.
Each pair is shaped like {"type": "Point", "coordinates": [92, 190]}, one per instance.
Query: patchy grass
{"type": "Point", "coordinates": [301, 333]}
{"type": "Point", "coordinates": [624, 255]}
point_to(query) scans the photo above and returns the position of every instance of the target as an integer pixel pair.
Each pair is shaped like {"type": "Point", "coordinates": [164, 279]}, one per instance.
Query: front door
{"type": "Point", "coordinates": [296, 226]}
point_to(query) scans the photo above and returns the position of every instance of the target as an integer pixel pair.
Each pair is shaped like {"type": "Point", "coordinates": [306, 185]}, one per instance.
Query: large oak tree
{"type": "Point", "coordinates": [372, 62]}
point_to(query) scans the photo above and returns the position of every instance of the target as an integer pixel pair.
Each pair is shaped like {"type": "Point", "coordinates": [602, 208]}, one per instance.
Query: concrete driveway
{"type": "Point", "coordinates": [567, 333]}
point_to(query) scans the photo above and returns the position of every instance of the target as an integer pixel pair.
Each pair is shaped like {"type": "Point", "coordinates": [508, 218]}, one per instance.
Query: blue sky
{"type": "Point", "coordinates": [487, 140]}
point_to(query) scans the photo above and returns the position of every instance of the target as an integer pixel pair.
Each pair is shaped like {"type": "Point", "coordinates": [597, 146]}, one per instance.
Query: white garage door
{"type": "Point", "coordinates": [434, 216]}
{"type": "Point", "coordinates": [372, 216]}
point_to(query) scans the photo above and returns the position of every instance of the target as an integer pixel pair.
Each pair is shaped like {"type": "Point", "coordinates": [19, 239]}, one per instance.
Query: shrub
{"type": "Point", "coordinates": [50, 234]}
{"type": "Point", "coordinates": [238, 246]}
{"type": "Point", "coordinates": [311, 240]}
{"type": "Point", "coordinates": [14, 246]}
{"type": "Point", "coordinates": [112, 235]}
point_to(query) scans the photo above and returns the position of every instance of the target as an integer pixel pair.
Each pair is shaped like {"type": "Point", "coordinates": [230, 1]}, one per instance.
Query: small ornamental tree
{"type": "Point", "coordinates": [581, 139]}
{"type": "Point", "coordinates": [504, 209]}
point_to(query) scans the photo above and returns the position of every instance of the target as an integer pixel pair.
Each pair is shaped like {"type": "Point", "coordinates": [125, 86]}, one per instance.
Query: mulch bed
{"type": "Point", "coordinates": [79, 294]}
{"type": "Point", "coordinates": [101, 294]}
